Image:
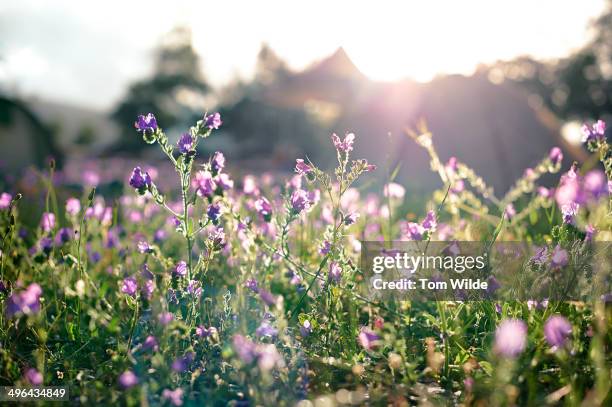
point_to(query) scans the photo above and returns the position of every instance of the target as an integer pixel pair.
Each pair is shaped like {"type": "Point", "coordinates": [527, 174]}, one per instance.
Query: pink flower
{"type": "Point", "coordinates": [510, 338]}
{"type": "Point", "coordinates": [5, 200]}
{"type": "Point", "coordinates": [34, 377]}
{"type": "Point", "coordinates": [47, 221]}
{"type": "Point", "coordinates": [345, 145]}
{"type": "Point", "coordinates": [367, 338]}
{"type": "Point", "coordinates": [301, 167]}
{"type": "Point", "coordinates": [204, 183]}
{"type": "Point", "coordinates": [73, 206]}
{"type": "Point", "coordinates": [393, 190]}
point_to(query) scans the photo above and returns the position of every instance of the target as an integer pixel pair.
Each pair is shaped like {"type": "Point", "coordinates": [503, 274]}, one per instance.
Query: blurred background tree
{"type": "Point", "coordinates": [175, 91]}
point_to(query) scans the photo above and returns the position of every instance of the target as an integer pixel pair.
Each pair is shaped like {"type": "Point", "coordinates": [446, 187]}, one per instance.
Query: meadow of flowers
{"type": "Point", "coordinates": [213, 290]}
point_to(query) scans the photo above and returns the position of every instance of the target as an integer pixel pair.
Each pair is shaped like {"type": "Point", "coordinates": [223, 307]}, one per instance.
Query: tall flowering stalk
{"type": "Point", "coordinates": [183, 164]}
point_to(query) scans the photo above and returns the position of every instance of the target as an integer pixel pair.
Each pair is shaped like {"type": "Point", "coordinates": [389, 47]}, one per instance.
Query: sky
{"type": "Point", "coordinates": [86, 53]}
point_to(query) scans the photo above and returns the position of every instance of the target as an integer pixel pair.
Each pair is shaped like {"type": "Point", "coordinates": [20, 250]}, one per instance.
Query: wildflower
{"type": "Point", "coordinates": [128, 379]}
{"type": "Point", "coordinates": [47, 222]}
{"type": "Point", "coordinates": [509, 212]}
{"type": "Point", "coordinates": [129, 286]}
{"type": "Point", "coordinates": [510, 338]}
{"type": "Point", "coordinates": [367, 338]}
{"type": "Point", "coordinates": [413, 231]}
{"type": "Point", "coordinates": [556, 331]}
{"type": "Point", "coordinates": [91, 178]}
{"type": "Point", "coordinates": [46, 245]}
{"type": "Point", "coordinates": [430, 222]}
{"type": "Point", "coordinates": [596, 132]}
{"type": "Point", "coordinates": [267, 297]}
{"type": "Point", "coordinates": [306, 328]}
{"type": "Point", "coordinates": [147, 289]}
{"type": "Point", "coordinates": [204, 184]}
{"type": "Point", "coordinates": [595, 184]}
{"type": "Point", "coordinates": [174, 396]}
{"type": "Point", "coordinates": [214, 212]}
{"type": "Point", "coordinates": [369, 167]}
{"type": "Point", "coordinates": [186, 143]}
{"type": "Point", "coordinates": [34, 377]}
{"type": "Point", "coordinates": [181, 364]}
{"type": "Point", "coordinates": [299, 201]}
{"type": "Point", "coordinates": [144, 247]}
{"type": "Point", "coordinates": [165, 318]}
{"type": "Point", "coordinates": [301, 167]}
{"type": "Point", "coordinates": [204, 332]}
{"type": "Point", "coordinates": [335, 272]}
{"type": "Point", "coordinates": [264, 208]}
{"type": "Point", "coordinates": [217, 236]}
{"type": "Point", "coordinates": [325, 247]}
{"type": "Point", "coordinates": [159, 235]}
{"type": "Point", "coordinates": [351, 218]}
{"type": "Point", "coordinates": [345, 145]}
{"type": "Point", "coordinates": [559, 257]}
{"type": "Point", "coordinates": [5, 200]}
{"type": "Point", "coordinates": [265, 329]}
{"type": "Point", "coordinates": [140, 180]}
{"type": "Point", "coordinates": [73, 206]}
{"type": "Point", "coordinates": [194, 288]}
{"type": "Point", "coordinates": [555, 155]}
{"type": "Point", "coordinates": [249, 187]}
{"type": "Point", "coordinates": [224, 181]}
{"type": "Point", "coordinates": [26, 302]}
{"type": "Point", "coordinates": [394, 190]}
{"type": "Point", "coordinates": [244, 348]}
{"type": "Point", "coordinates": [218, 162]}
{"type": "Point", "coordinates": [251, 284]}
{"type": "Point", "coordinates": [540, 256]}
{"type": "Point", "coordinates": [181, 269]}
{"type": "Point", "coordinates": [213, 121]}
{"type": "Point", "coordinates": [150, 343]}
{"type": "Point", "coordinates": [146, 123]}
{"type": "Point", "coordinates": [589, 232]}
{"type": "Point", "coordinates": [268, 357]}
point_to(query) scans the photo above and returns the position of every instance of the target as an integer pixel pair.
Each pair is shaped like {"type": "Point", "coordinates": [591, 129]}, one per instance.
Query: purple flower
{"type": "Point", "coordinates": [63, 235]}
{"type": "Point", "coordinates": [140, 180]}
{"type": "Point", "coordinates": [147, 289]}
{"type": "Point", "coordinates": [264, 208]}
{"type": "Point", "coordinates": [181, 269]}
{"type": "Point", "coordinates": [174, 396]}
{"type": "Point", "coordinates": [301, 167]}
{"type": "Point", "coordinates": [204, 184]}
{"type": "Point", "coordinates": [26, 302]}
{"type": "Point", "coordinates": [73, 206]}
{"type": "Point", "coordinates": [217, 236]}
{"type": "Point", "coordinates": [267, 297]}
{"type": "Point", "coordinates": [129, 286]}
{"type": "Point", "coordinates": [34, 377]}
{"type": "Point", "coordinates": [305, 328]}
{"type": "Point", "coordinates": [540, 256]}
{"type": "Point", "coordinates": [394, 190]}
{"type": "Point", "coordinates": [218, 162]}
{"type": "Point", "coordinates": [251, 284]}
{"type": "Point", "coordinates": [46, 245]}
{"type": "Point", "coordinates": [299, 201]}
{"type": "Point", "coordinates": [185, 143]}
{"type": "Point", "coordinates": [181, 364]}
{"type": "Point", "coordinates": [555, 155]}
{"type": "Point", "coordinates": [510, 338]}
{"type": "Point", "coordinates": [556, 331]}
{"type": "Point", "coordinates": [144, 247]}
{"type": "Point", "coordinates": [213, 121]}
{"type": "Point", "coordinates": [244, 348]}
{"type": "Point", "coordinates": [325, 247]}
{"type": "Point", "coordinates": [430, 222]}
{"type": "Point", "coordinates": [265, 329]}
{"type": "Point", "coordinates": [159, 235]}
{"type": "Point", "coordinates": [351, 218]}
{"type": "Point", "coordinates": [559, 257]}
{"type": "Point", "coordinates": [367, 338]}
{"type": "Point", "coordinates": [345, 145]}
{"type": "Point", "coordinates": [596, 184]}
{"type": "Point", "coordinates": [268, 357]}
{"type": "Point", "coordinates": [214, 212]}
{"type": "Point", "coordinates": [589, 231]}
{"type": "Point", "coordinates": [335, 272]}
{"type": "Point", "coordinates": [596, 132]}
{"type": "Point", "coordinates": [128, 379]}
{"type": "Point", "coordinates": [150, 343]}
{"type": "Point", "coordinates": [509, 212]}
{"type": "Point", "coordinates": [413, 230]}
{"type": "Point", "coordinates": [146, 123]}
{"type": "Point", "coordinates": [224, 181]}
{"type": "Point", "coordinates": [5, 200]}
{"type": "Point", "coordinates": [204, 332]}
{"type": "Point", "coordinates": [194, 288]}
{"type": "Point", "coordinates": [47, 222]}
{"type": "Point", "coordinates": [165, 318]}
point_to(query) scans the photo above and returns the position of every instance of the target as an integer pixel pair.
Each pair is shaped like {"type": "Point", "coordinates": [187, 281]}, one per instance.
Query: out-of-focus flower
{"type": "Point", "coordinates": [264, 208]}
{"type": "Point", "coordinates": [146, 123]}
{"type": "Point", "coordinates": [510, 338]}
{"type": "Point", "coordinates": [394, 190]}
{"type": "Point", "coordinates": [175, 397]}
{"type": "Point", "coordinates": [185, 143]}
{"type": "Point", "coordinates": [213, 121]}
{"type": "Point", "coordinates": [73, 206]}
{"type": "Point", "coordinates": [214, 212]}
{"type": "Point", "coordinates": [251, 284]}
{"type": "Point", "coordinates": [335, 272]}
{"type": "Point", "coordinates": [244, 348]}
{"type": "Point", "coordinates": [25, 302]}
{"type": "Point", "coordinates": [224, 181]}
{"type": "Point", "coordinates": [299, 201]}
{"type": "Point", "coordinates": [194, 288]}
{"type": "Point", "coordinates": [351, 218]}
{"type": "Point", "coordinates": [129, 286]}
{"type": "Point", "coordinates": [306, 328]}
{"type": "Point", "coordinates": [218, 162]}
{"type": "Point", "coordinates": [267, 297]}
{"type": "Point", "coordinates": [509, 212]}
{"type": "Point", "coordinates": [595, 184]}
{"type": "Point", "coordinates": [345, 145]}
{"type": "Point", "coordinates": [5, 200]}
{"type": "Point", "coordinates": [128, 379]}
{"type": "Point", "coordinates": [144, 247]}
{"type": "Point", "coordinates": [181, 364]}
{"type": "Point", "coordinates": [63, 235]}
{"type": "Point", "coordinates": [181, 268]}
{"type": "Point", "coordinates": [556, 331]}
{"type": "Point", "coordinates": [367, 338]}
{"type": "Point", "coordinates": [412, 230]}
{"type": "Point", "coordinates": [47, 222]}
{"type": "Point", "coordinates": [34, 377]}
{"type": "Point", "coordinates": [596, 132]}
{"type": "Point", "coordinates": [559, 257]}
{"type": "Point", "coordinates": [204, 332]}
{"type": "Point", "coordinates": [589, 231]}
{"type": "Point", "coordinates": [325, 247]}
{"type": "Point", "coordinates": [140, 180]}
{"type": "Point", "coordinates": [165, 318]}
{"type": "Point", "coordinates": [46, 245]}
{"type": "Point", "coordinates": [430, 223]}
{"type": "Point", "coordinates": [150, 343]}
{"type": "Point", "coordinates": [204, 183]}
{"type": "Point", "coordinates": [555, 155]}
{"type": "Point", "coordinates": [266, 329]}
{"type": "Point", "coordinates": [301, 167]}
{"type": "Point", "coordinates": [268, 357]}
{"type": "Point", "coordinates": [540, 256]}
